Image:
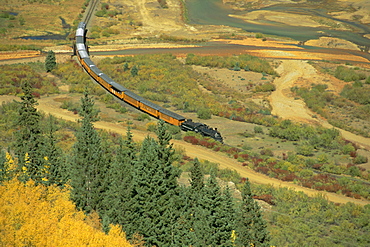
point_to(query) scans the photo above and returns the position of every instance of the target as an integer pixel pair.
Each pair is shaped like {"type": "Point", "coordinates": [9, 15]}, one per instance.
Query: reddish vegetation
{"type": "Point", "coordinates": [266, 198]}
{"type": "Point", "coordinates": [322, 182]}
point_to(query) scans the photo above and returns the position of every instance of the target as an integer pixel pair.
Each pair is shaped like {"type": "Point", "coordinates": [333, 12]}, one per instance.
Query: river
{"type": "Point", "coordinates": [213, 12]}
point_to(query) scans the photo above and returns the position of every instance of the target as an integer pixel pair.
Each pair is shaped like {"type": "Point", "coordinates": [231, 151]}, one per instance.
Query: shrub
{"type": "Point", "coordinates": [348, 74]}
{"type": "Point", "coordinates": [348, 148]}
{"type": "Point", "coordinates": [306, 150]}
{"type": "Point", "coordinates": [151, 126]}
{"type": "Point", "coordinates": [204, 113]}
{"type": "Point", "coordinates": [259, 36]}
{"type": "Point", "coordinates": [265, 197]}
{"type": "Point", "coordinates": [258, 129]}
{"type": "Point", "coordinates": [368, 80]}
{"type": "Point", "coordinates": [359, 159]}
{"type": "Point", "coordinates": [191, 139]}
{"type": "Point", "coordinates": [262, 169]}
{"type": "Point", "coordinates": [354, 171]}
{"type": "Point", "coordinates": [266, 87]}
{"type": "Point", "coordinates": [143, 117]}
{"type": "Point", "coordinates": [267, 152]}
{"type": "Point", "coordinates": [356, 93]}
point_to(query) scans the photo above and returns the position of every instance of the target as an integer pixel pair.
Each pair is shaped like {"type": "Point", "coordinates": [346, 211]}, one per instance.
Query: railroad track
{"type": "Point", "coordinates": [90, 10]}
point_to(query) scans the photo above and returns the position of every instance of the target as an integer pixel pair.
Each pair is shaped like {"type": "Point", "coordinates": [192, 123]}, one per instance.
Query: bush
{"type": "Point", "coordinates": [367, 80]}
{"type": "Point", "coordinates": [143, 117]}
{"type": "Point", "coordinates": [258, 129]}
{"type": "Point", "coordinates": [357, 93]}
{"type": "Point", "coordinates": [204, 113]}
{"type": "Point", "coordinates": [266, 87]}
{"type": "Point", "coordinates": [259, 36]}
{"type": "Point", "coordinates": [306, 150]}
{"type": "Point", "coordinates": [359, 159]}
{"type": "Point", "coordinates": [354, 171]}
{"type": "Point", "coordinates": [348, 148]}
{"type": "Point", "coordinates": [348, 74]}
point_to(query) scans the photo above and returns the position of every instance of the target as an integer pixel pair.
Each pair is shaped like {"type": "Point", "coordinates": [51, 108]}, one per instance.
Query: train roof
{"type": "Point", "coordinates": [80, 40]}
{"type": "Point", "coordinates": [81, 25]}
{"type": "Point", "coordinates": [80, 47]}
{"type": "Point", "coordinates": [118, 87]}
{"type": "Point", "coordinates": [83, 54]}
{"type": "Point", "coordinates": [172, 114]}
{"type": "Point", "coordinates": [151, 104]}
{"type": "Point", "coordinates": [106, 78]}
{"type": "Point", "coordinates": [96, 70]}
{"type": "Point", "coordinates": [89, 62]}
{"type": "Point", "coordinates": [134, 96]}
{"type": "Point", "coordinates": [80, 31]}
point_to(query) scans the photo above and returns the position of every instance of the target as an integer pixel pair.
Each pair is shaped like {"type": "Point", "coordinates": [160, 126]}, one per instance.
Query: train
{"type": "Point", "coordinates": [124, 94]}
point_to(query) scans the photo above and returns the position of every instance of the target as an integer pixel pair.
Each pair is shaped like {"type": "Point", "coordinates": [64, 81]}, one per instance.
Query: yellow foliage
{"type": "Point", "coordinates": [10, 165]}
{"type": "Point", "coordinates": [37, 215]}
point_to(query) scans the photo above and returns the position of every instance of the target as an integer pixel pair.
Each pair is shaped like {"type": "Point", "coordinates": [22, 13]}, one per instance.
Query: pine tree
{"type": "Point", "coordinates": [120, 181]}
{"type": "Point", "coordinates": [197, 178]}
{"type": "Point", "coordinates": [29, 144]}
{"type": "Point", "coordinates": [134, 70]}
{"type": "Point", "coordinates": [125, 67]}
{"type": "Point", "coordinates": [57, 172]}
{"type": "Point", "coordinates": [250, 226]}
{"type": "Point", "coordinates": [225, 219]}
{"type": "Point", "coordinates": [209, 218]}
{"type": "Point", "coordinates": [217, 225]}
{"type": "Point", "coordinates": [191, 195]}
{"type": "Point", "coordinates": [50, 61]}
{"type": "Point", "coordinates": [155, 204]}
{"type": "Point", "coordinates": [88, 165]}
{"type": "Point", "coordinates": [3, 166]}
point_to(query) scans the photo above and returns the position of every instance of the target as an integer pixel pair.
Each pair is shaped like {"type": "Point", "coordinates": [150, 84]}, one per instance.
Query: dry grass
{"type": "Point", "coordinates": [39, 19]}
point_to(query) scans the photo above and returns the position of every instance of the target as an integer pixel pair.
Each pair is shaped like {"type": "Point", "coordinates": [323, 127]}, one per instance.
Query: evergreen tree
{"type": "Point", "coordinates": [155, 204]}
{"type": "Point", "coordinates": [88, 165]}
{"type": "Point", "coordinates": [3, 166]}
{"type": "Point", "coordinates": [50, 61]}
{"type": "Point", "coordinates": [57, 172]}
{"type": "Point", "coordinates": [225, 220]}
{"type": "Point", "coordinates": [197, 178]}
{"type": "Point", "coordinates": [215, 221]}
{"type": "Point", "coordinates": [134, 70]}
{"type": "Point", "coordinates": [250, 226]}
{"type": "Point", "coordinates": [125, 67]}
{"type": "Point", "coordinates": [191, 195]}
{"type": "Point", "coordinates": [29, 144]}
{"type": "Point", "coordinates": [116, 200]}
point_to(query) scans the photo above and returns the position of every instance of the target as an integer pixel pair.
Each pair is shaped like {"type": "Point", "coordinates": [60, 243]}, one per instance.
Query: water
{"type": "Point", "coordinates": [52, 36]}
{"type": "Point", "coordinates": [213, 12]}
{"type": "Point", "coordinates": [222, 49]}
{"type": "Point", "coordinates": [47, 37]}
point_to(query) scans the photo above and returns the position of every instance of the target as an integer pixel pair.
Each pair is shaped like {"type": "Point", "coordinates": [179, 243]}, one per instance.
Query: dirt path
{"type": "Point", "coordinates": [49, 105]}
{"type": "Point", "coordinates": [287, 107]}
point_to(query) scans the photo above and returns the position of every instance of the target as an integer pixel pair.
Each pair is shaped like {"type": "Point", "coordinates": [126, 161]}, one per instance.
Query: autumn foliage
{"type": "Point", "coordinates": [37, 215]}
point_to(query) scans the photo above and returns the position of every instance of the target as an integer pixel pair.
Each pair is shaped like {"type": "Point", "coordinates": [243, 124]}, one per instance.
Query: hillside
{"type": "Point", "coordinates": [298, 130]}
